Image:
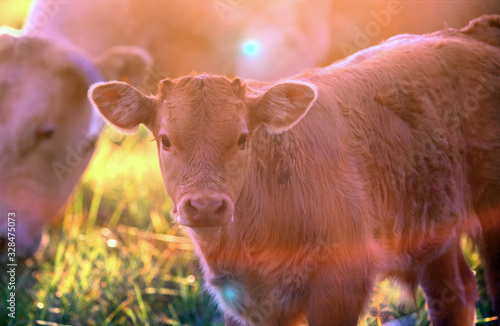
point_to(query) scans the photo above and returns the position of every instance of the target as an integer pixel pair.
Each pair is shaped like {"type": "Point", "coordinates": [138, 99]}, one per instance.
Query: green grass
{"type": "Point", "coordinates": [13, 12]}
{"type": "Point", "coordinates": [115, 258]}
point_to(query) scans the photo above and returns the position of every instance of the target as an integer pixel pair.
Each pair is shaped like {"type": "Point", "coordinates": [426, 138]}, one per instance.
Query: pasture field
{"type": "Point", "coordinates": [114, 256]}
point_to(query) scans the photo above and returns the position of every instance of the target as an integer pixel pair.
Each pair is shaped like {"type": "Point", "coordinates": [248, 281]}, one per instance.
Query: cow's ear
{"type": "Point", "coordinates": [123, 106]}
{"type": "Point", "coordinates": [283, 105]}
{"type": "Point", "coordinates": [129, 64]}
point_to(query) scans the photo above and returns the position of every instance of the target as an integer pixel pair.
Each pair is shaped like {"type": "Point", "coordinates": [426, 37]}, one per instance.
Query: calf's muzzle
{"type": "Point", "coordinates": [203, 210]}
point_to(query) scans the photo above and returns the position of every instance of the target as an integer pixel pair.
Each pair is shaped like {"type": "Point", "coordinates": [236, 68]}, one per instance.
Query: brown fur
{"type": "Point", "coordinates": [392, 163]}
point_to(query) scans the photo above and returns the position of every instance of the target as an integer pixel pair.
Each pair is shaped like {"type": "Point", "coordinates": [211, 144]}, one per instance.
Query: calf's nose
{"type": "Point", "coordinates": [205, 210]}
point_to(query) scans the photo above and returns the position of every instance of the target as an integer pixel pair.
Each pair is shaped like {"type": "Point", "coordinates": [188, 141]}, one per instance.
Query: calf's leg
{"type": "Point", "coordinates": [450, 288]}
{"type": "Point", "coordinates": [338, 295]}
{"type": "Point", "coordinates": [490, 252]}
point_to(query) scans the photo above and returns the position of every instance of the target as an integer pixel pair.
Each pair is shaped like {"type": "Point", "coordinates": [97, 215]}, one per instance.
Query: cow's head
{"type": "Point", "coordinates": [203, 126]}
{"type": "Point", "coordinates": [48, 129]}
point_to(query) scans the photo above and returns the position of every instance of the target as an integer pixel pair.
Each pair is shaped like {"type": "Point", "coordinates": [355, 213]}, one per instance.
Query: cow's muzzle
{"type": "Point", "coordinates": [21, 249]}
{"type": "Point", "coordinates": [203, 210]}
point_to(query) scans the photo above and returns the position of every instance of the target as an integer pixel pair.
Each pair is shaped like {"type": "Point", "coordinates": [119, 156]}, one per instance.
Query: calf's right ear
{"type": "Point", "coordinates": [123, 106]}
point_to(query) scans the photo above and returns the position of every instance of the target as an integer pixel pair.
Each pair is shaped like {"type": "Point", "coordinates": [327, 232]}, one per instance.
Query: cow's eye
{"type": "Point", "coordinates": [242, 141]}
{"type": "Point", "coordinates": [44, 132]}
{"type": "Point", "coordinates": [165, 142]}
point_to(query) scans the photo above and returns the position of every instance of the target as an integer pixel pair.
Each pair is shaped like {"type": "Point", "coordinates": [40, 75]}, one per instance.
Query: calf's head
{"type": "Point", "coordinates": [203, 126]}
{"type": "Point", "coordinates": [48, 130]}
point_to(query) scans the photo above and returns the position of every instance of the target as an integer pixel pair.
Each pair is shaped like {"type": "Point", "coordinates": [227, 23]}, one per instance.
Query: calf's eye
{"type": "Point", "coordinates": [165, 142]}
{"type": "Point", "coordinates": [242, 141]}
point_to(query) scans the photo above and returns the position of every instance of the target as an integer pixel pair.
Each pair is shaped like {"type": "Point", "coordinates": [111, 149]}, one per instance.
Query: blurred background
{"type": "Point", "coordinates": [114, 256]}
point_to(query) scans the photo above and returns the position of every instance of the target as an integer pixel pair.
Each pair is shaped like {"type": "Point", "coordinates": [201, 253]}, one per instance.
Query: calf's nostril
{"type": "Point", "coordinates": [222, 206]}
{"type": "Point", "coordinates": [189, 205]}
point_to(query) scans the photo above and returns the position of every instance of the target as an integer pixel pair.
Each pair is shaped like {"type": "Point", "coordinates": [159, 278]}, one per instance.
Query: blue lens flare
{"type": "Point", "coordinates": [230, 294]}
{"type": "Point", "coordinates": [250, 48]}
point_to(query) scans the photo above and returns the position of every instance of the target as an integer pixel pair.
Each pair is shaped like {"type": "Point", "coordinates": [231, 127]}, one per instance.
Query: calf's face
{"type": "Point", "coordinates": [203, 126]}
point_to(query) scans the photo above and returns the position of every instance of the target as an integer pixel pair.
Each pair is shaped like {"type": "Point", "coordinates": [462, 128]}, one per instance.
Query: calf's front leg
{"type": "Point", "coordinates": [450, 288]}
{"type": "Point", "coordinates": [338, 294]}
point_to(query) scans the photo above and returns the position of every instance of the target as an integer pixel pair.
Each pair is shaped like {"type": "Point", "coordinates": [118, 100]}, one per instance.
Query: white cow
{"type": "Point", "coordinates": [258, 39]}
{"type": "Point", "coordinates": [254, 39]}
{"type": "Point", "coordinates": [48, 128]}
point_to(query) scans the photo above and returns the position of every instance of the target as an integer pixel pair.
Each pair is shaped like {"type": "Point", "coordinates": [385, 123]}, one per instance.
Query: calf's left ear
{"type": "Point", "coordinates": [123, 106]}
{"type": "Point", "coordinates": [283, 105]}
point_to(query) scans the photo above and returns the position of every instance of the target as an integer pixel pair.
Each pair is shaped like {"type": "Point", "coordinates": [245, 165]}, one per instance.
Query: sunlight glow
{"type": "Point", "coordinates": [9, 30]}
{"type": "Point", "coordinates": [250, 48]}
{"type": "Point", "coordinates": [112, 243]}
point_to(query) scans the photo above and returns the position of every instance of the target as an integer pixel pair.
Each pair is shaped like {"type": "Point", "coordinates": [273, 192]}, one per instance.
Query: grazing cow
{"type": "Point", "coordinates": [222, 37]}
{"type": "Point", "coordinates": [263, 40]}
{"type": "Point", "coordinates": [298, 193]}
{"type": "Point", "coordinates": [48, 128]}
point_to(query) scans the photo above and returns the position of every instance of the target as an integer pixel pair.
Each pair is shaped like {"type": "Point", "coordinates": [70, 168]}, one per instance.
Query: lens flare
{"type": "Point", "coordinates": [250, 48]}
{"type": "Point", "coordinates": [230, 294]}
{"type": "Point", "coordinates": [111, 243]}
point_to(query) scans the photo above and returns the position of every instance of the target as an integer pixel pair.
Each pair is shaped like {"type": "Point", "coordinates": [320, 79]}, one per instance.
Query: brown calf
{"type": "Point", "coordinates": [297, 194]}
